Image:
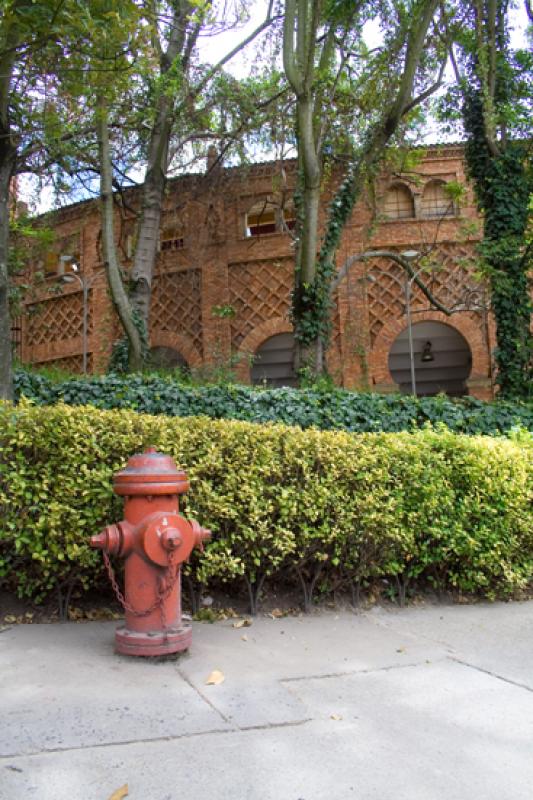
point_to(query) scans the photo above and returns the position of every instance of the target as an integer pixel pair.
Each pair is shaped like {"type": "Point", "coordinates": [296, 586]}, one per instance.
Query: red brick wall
{"type": "Point", "coordinates": [218, 268]}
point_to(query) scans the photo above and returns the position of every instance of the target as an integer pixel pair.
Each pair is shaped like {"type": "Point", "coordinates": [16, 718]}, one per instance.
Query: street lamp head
{"type": "Point", "coordinates": [410, 254]}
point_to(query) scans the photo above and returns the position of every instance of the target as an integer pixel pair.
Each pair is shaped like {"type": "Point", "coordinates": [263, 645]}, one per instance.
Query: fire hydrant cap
{"type": "Point", "coordinates": [150, 473]}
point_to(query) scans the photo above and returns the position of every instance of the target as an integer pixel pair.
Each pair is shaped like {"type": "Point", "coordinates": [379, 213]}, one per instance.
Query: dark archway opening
{"type": "Point", "coordinates": [274, 362]}
{"type": "Point", "coordinates": [441, 356]}
{"type": "Point", "coordinates": [167, 358]}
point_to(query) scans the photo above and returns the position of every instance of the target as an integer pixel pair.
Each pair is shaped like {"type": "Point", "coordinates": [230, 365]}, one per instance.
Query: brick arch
{"type": "Point", "coordinates": [178, 342]}
{"type": "Point", "coordinates": [470, 328]}
{"type": "Point", "coordinates": [254, 340]}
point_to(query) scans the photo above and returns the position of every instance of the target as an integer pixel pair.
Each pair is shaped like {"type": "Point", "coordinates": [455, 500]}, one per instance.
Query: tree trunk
{"type": "Point", "coordinates": [156, 170]}
{"type": "Point", "coordinates": [7, 159]}
{"type": "Point", "coordinates": [153, 191]}
{"type": "Point", "coordinates": [309, 348]}
{"type": "Point", "coordinates": [8, 156]}
{"type": "Point", "coordinates": [310, 174]}
{"type": "Point", "coordinates": [116, 286]}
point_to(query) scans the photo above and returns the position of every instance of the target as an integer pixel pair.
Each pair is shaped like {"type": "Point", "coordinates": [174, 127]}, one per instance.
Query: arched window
{"type": "Point", "coordinates": [266, 216]}
{"type": "Point", "coordinates": [398, 203]}
{"type": "Point", "coordinates": [274, 362]}
{"type": "Point", "coordinates": [436, 202]}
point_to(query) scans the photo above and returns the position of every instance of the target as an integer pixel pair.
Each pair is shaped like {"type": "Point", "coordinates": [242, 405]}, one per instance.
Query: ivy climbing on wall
{"type": "Point", "coordinates": [503, 185]}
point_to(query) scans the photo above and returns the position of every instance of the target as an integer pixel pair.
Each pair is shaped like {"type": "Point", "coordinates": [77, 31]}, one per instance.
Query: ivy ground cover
{"type": "Point", "coordinates": [338, 409]}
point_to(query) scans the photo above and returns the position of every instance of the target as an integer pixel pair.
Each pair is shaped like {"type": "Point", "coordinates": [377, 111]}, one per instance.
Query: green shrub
{"type": "Point", "coordinates": [337, 409]}
{"type": "Point", "coordinates": [331, 507]}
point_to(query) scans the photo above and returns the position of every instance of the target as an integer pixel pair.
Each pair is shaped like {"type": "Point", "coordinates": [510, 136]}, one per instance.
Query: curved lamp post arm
{"type": "Point", "coordinates": [398, 259]}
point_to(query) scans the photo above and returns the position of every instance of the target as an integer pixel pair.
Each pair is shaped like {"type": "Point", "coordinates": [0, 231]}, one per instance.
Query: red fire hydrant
{"type": "Point", "coordinates": [155, 540]}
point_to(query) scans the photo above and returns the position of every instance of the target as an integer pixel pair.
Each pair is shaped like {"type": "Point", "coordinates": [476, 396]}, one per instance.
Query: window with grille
{"type": "Point", "coordinates": [266, 217]}
{"type": "Point", "coordinates": [398, 203]}
{"type": "Point", "coordinates": [62, 258]}
{"type": "Point", "coordinates": [436, 202]}
{"type": "Point", "coordinates": [172, 239]}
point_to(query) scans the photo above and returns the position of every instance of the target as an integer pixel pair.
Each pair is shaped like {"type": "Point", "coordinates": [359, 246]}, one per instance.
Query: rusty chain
{"type": "Point", "coordinates": [167, 583]}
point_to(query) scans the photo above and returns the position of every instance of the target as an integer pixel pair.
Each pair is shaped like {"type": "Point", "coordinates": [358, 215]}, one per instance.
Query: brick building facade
{"type": "Point", "coordinates": [221, 290]}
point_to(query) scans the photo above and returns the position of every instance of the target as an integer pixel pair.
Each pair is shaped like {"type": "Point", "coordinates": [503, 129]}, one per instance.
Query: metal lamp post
{"type": "Point", "coordinates": [410, 255]}
{"type": "Point", "coordinates": [85, 286]}
{"type": "Point", "coordinates": [406, 286]}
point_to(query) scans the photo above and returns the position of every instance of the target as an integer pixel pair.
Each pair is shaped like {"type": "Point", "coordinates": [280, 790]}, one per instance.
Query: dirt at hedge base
{"type": "Point", "coordinates": [214, 606]}
{"type": "Point", "coordinates": [14, 611]}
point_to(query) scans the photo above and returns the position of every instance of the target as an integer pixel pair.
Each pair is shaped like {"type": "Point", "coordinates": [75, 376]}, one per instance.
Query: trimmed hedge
{"type": "Point", "coordinates": [324, 508]}
{"type": "Point", "coordinates": [332, 410]}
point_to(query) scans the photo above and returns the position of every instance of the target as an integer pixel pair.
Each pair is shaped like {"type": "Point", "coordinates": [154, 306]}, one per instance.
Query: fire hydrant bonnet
{"type": "Point", "coordinates": [150, 473]}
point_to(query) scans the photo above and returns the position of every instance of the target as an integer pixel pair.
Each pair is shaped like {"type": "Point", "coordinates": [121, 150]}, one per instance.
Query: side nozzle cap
{"type": "Point", "coordinates": [109, 540]}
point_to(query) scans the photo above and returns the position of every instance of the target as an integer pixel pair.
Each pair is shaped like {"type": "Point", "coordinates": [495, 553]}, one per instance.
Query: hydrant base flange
{"type": "Point", "coordinates": [152, 643]}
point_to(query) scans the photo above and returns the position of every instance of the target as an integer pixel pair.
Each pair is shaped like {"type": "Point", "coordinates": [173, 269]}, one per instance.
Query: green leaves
{"type": "Point", "coordinates": [439, 508]}
{"type": "Point", "coordinates": [324, 407]}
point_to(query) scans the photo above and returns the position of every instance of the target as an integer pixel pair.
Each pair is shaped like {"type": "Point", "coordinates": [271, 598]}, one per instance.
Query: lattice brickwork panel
{"type": "Point", "coordinates": [176, 304]}
{"type": "Point", "coordinates": [384, 295]}
{"type": "Point", "coordinates": [449, 284]}
{"type": "Point", "coordinates": [259, 291]}
{"type": "Point", "coordinates": [70, 363]}
{"type": "Point", "coordinates": [57, 319]}
{"type": "Point", "coordinates": [456, 278]}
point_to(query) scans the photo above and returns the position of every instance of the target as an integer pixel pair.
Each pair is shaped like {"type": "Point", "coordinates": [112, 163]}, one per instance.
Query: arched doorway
{"type": "Point", "coordinates": [441, 357]}
{"type": "Point", "coordinates": [274, 362]}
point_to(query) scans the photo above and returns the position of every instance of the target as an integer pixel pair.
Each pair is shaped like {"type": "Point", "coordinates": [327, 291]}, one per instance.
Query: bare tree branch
{"type": "Point", "coordinates": [398, 259]}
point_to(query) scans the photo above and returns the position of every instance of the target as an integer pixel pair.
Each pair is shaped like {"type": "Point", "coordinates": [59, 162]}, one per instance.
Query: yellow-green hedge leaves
{"type": "Point", "coordinates": [432, 505]}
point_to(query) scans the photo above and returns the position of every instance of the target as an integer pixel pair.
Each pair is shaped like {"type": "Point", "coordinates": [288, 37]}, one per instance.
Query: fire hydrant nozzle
{"type": "Point", "coordinates": [171, 539]}
{"type": "Point", "coordinates": [155, 540]}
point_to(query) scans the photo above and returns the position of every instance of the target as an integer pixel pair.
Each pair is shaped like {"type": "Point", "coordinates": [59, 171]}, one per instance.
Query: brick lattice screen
{"type": "Point", "coordinates": [57, 319]}
{"type": "Point", "coordinates": [259, 292]}
{"type": "Point", "coordinates": [385, 295]}
{"type": "Point", "coordinates": [70, 363]}
{"type": "Point", "coordinates": [176, 304]}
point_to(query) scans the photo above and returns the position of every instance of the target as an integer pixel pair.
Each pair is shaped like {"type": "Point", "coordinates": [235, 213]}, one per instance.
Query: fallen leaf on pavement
{"type": "Point", "coordinates": [336, 717]}
{"type": "Point", "coordinates": [276, 613]}
{"type": "Point", "coordinates": [244, 638]}
{"type": "Point", "coordinates": [242, 623]}
{"type": "Point", "coordinates": [10, 618]}
{"type": "Point", "coordinates": [215, 678]}
{"type": "Point", "coordinates": [120, 793]}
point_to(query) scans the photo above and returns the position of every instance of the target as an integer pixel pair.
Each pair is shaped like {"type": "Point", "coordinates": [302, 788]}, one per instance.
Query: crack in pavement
{"type": "Point", "coordinates": [155, 739]}
{"type": "Point", "coordinates": [368, 671]}
{"type": "Point", "coordinates": [204, 697]}
{"type": "Point", "coordinates": [492, 674]}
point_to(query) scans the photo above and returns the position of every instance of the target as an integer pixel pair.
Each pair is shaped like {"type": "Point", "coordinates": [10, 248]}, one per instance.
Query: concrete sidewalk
{"type": "Point", "coordinates": [425, 703]}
